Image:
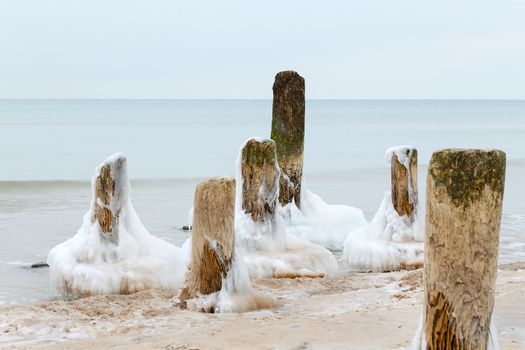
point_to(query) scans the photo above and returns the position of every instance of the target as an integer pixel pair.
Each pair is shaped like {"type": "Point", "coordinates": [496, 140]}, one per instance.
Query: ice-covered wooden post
{"type": "Point", "coordinates": [260, 173]}
{"type": "Point", "coordinates": [463, 214]}
{"type": "Point", "coordinates": [288, 133]}
{"type": "Point", "coordinates": [111, 186]}
{"type": "Point", "coordinates": [212, 237]}
{"type": "Point", "coordinates": [403, 163]}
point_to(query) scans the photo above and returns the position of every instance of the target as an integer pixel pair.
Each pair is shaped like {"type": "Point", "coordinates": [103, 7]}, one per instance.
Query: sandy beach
{"type": "Point", "coordinates": [277, 175]}
{"type": "Point", "coordinates": [354, 310]}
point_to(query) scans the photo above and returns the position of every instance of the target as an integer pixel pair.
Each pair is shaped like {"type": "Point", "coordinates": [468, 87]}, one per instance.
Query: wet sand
{"type": "Point", "coordinates": [356, 310]}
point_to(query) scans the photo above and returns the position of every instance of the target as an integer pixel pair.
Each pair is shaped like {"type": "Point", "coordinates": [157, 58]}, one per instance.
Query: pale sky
{"type": "Point", "coordinates": [232, 49]}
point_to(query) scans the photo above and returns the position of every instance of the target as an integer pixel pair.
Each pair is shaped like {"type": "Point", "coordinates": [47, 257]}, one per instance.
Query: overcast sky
{"type": "Point", "coordinates": [232, 49]}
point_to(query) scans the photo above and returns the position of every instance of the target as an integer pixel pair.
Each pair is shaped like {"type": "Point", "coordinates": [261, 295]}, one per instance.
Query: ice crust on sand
{"type": "Point", "coordinates": [236, 294]}
{"type": "Point", "coordinates": [266, 246]}
{"type": "Point", "coordinates": [319, 222]}
{"type": "Point", "coordinates": [89, 263]}
{"type": "Point", "coordinates": [389, 242]}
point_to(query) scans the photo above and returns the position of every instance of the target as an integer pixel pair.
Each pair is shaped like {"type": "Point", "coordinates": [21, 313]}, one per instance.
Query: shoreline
{"type": "Point", "coordinates": [361, 310]}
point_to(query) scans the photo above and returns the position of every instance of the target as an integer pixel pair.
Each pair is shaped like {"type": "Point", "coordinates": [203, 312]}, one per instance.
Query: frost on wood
{"type": "Point", "coordinates": [261, 178]}
{"type": "Point", "coordinates": [112, 253]}
{"type": "Point", "coordinates": [464, 203]}
{"type": "Point", "coordinates": [403, 162]}
{"type": "Point", "coordinates": [215, 282]}
{"type": "Point", "coordinates": [110, 184]}
{"type": "Point", "coordinates": [235, 295]}
{"type": "Point", "coordinates": [388, 243]}
{"type": "Point", "coordinates": [260, 232]}
{"type": "Point", "coordinates": [392, 240]}
{"type": "Point", "coordinates": [288, 133]}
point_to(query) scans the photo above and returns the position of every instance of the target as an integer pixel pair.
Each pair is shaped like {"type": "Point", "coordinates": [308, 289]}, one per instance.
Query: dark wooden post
{"type": "Point", "coordinates": [404, 182]}
{"type": "Point", "coordinates": [259, 170]}
{"type": "Point", "coordinates": [288, 133]}
{"type": "Point", "coordinates": [212, 237]}
{"type": "Point", "coordinates": [463, 214]}
{"type": "Point", "coordinates": [111, 191]}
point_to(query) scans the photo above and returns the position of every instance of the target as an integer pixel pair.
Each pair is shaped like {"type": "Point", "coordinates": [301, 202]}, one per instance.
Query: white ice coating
{"type": "Point", "coordinates": [267, 248]}
{"type": "Point", "coordinates": [329, 225]}
{"type": "Point", "coordinates": [403, 154]}
{"type": "Point", "coordinates": [89, 264]}
{"type": "Point", "coordinates": [236, 294]}
{"type": "Point", "coordinates": [419, 341]}
{"type": "Point", "coordinates": [319, 222]}
{"type": "Point", "coordinates": [387, 243]}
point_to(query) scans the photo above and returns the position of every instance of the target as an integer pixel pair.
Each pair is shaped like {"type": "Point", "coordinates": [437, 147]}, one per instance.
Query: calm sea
{"type": "Point", "coordinates": [50, 148]}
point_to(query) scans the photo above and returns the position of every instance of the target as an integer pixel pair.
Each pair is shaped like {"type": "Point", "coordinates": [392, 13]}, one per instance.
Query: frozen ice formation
{"type": "Point", "coordinates": [112, 252]}
{"type": "Point", "coordinates": [268, 249]}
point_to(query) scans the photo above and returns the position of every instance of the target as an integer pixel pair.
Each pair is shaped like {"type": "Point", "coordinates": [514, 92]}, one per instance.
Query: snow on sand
{"type": "Point", "coordinates": [357, 311]}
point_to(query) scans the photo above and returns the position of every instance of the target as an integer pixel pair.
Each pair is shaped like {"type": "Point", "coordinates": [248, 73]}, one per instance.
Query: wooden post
{"type": "Point", "coordinates": [111, 190]}
{"type": "Point", "coordinates": [212, 237]}
{"type": "Point", "coordinates": [288, 133]}
{"type": "Point", "coordinates": [463, 214]}
{"type": "Point", "coordinates": [404, 182]}
{"type": "Point", "coordinates": [260, 173]}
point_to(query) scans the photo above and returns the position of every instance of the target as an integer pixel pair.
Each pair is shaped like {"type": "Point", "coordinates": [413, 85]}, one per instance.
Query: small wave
{"type": "Point", "coordinates": [166, 181]}
{"type": "Point", "coordinates": [37, 185]}
{"type": "Point", "coordinates": [515, 216]}
{"type": "Point", "coordinates": [19, 263]}
{"type": "Point", "coordinates": [43, 185]}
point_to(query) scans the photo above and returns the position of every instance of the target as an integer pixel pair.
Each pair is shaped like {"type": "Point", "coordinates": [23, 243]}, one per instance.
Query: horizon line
{"type": "Point", "coordinates": [246, 99]}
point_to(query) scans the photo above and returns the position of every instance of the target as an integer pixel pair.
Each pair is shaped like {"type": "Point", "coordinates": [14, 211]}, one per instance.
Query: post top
{"type": "Point", "coordinates": [284, 78]}
{"type": "Point", "coordinates": [287, 74]}
{"type": "Point", "coordinates": [218, 181]}
{"type": "Point", "coordinates": [469, 151]}
{"type": "Point", "coordinates": [257, 139]}
{"type": "Point", "coordinates": [402, 153]}
{"type": "Point", "coordinates": [465, 173]}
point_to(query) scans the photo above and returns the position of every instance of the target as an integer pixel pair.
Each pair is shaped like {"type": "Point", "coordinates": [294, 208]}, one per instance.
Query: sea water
{"type": "Point", "coordinates": [49, 150]}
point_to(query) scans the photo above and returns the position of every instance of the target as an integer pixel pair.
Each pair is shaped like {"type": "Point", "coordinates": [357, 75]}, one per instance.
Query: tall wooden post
{"type": "Point", "coordinates": [212, 237]}
{"type": "Point", "coordinates": [111, 191]}
{"type": "Point", "coordinates": [463, 214]}
{"type": "Point", "coordinates": [288, 133]}
{"type": "Point", "coordinates": [404, 182]}
{"type": "Point", "coordinates": [260, 173]}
